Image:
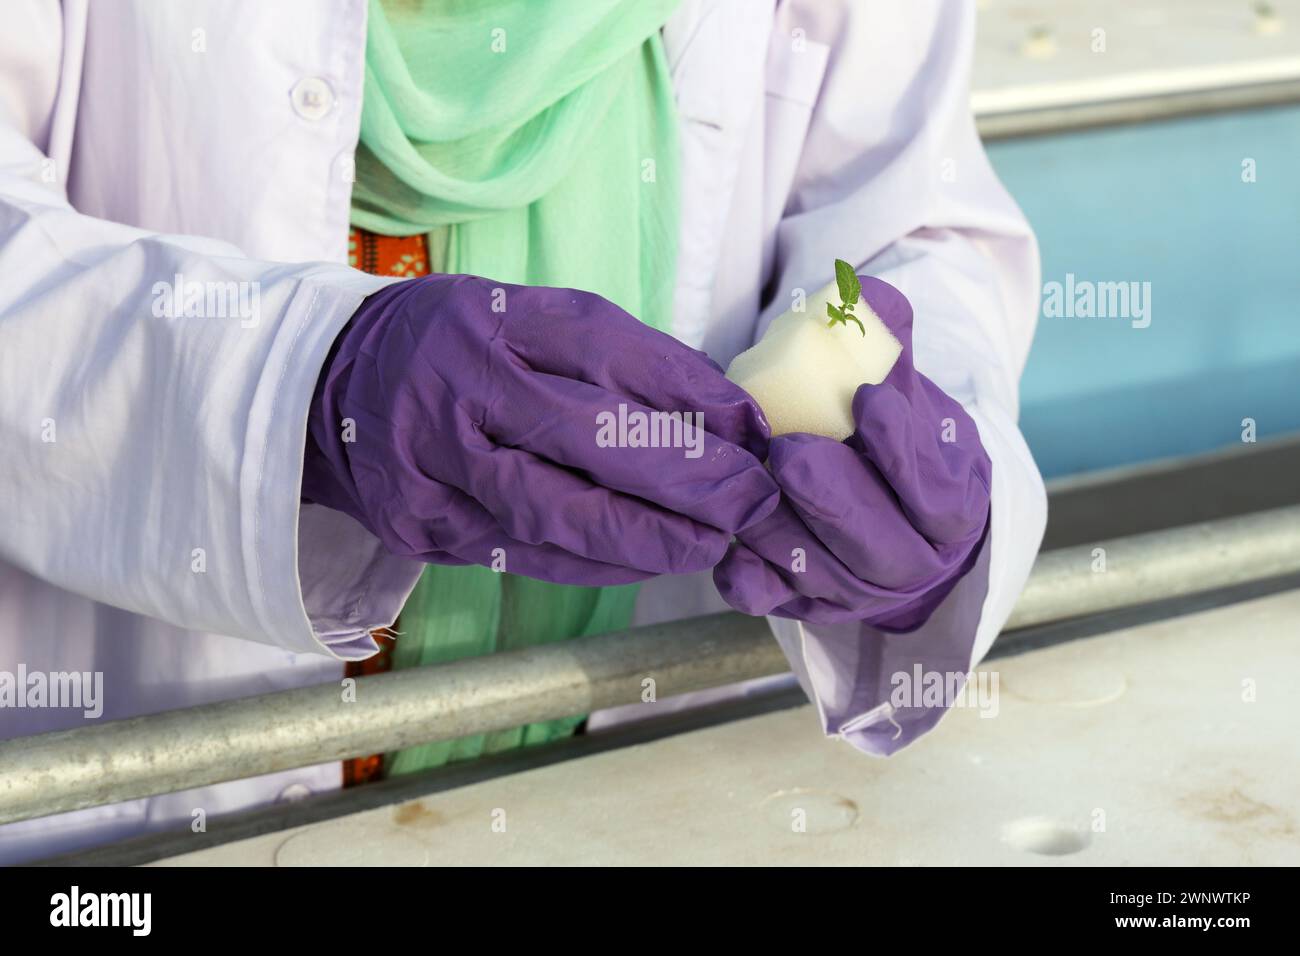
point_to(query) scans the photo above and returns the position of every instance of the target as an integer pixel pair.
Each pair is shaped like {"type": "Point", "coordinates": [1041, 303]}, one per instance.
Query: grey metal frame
{"type": "Point", "coordinates": [176, 750]}
{"type": "Point", "coordinates": [1136, 109]}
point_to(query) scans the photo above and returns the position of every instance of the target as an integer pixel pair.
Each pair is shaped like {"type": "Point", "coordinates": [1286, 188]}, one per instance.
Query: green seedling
{"type": "Point", "coordinates": [850, 291]}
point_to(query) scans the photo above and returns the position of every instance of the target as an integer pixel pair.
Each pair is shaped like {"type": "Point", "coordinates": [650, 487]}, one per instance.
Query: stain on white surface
{"type": "Point", "coordinates": [810, 811]}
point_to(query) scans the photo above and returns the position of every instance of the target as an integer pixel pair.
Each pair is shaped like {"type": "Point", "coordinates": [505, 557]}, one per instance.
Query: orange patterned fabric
{"type": "Point", "coordinates": [405, 256]}
{"type": "Point", "coordinates": [408, 257]}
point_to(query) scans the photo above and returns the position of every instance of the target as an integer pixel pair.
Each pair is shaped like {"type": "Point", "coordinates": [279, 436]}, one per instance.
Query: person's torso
{"type": "Point", "coordinates": [183, 123]}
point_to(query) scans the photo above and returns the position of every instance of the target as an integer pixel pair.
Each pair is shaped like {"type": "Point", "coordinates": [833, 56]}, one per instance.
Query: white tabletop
{"type": "Point", "coordinates": [1169, 743]}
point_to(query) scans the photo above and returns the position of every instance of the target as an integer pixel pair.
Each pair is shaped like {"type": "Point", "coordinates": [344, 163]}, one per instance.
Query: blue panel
{"type": "Point", "coordinates": [1164, 203]}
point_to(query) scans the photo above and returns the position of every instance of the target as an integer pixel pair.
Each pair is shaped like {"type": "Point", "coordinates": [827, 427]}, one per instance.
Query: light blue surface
{"type": "Point", "coordinates": [1164, 203]}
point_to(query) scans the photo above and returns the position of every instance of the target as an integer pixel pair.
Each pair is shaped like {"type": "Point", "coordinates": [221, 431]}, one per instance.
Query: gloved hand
{"type": "Point", "coordinates": [879, 527]}
{"type": "Point", "coordinates": [477, 430]}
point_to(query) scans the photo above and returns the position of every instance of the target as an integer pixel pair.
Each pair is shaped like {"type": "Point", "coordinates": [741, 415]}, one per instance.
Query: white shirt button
{"type": "Point", "coordinates": [311, 97]}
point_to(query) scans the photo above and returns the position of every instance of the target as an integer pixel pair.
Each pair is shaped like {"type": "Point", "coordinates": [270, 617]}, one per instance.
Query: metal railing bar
{"type": "Point", "coordinates": [177, 750]}
{"type": "Point", "coordinates": [1064, 118]}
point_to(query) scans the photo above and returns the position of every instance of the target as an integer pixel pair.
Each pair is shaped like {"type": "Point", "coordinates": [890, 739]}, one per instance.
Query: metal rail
{"type": "Point", "coordinates": [1160, 565]}
{"type": "Point", "coordinates": [1069, 117]}
{"type": "Point", "coordinates": [177, 750]}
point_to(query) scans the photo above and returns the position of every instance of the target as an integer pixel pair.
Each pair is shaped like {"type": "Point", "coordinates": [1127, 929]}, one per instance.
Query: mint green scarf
{"type": "Point", "coordinates": [534, 141]}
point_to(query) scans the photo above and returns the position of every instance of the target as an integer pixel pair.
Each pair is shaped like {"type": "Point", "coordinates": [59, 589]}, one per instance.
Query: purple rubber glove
{"type": "Point", "coordinates": [879, 527]}
{"type": "Point", "coordinates": [476, 430]}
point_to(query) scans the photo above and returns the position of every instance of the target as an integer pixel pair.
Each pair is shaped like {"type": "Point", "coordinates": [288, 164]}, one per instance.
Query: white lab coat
{"type": "Point", "coordinates": [149, 485]}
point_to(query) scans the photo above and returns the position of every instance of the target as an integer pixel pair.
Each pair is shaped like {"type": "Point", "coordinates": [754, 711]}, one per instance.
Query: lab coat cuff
{"type": "Point", "coordinates": [322, 582]}
{"type": "Point", "coordinates": [881, 691]}
{"type": "Point", "coordinates": [874, 689]}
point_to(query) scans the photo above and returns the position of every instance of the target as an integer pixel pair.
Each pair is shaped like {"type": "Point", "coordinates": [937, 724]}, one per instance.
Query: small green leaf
{"type": "Point", "coordinates": [847, 279]}
{"type": "Point", "coordinates": [843, 317]}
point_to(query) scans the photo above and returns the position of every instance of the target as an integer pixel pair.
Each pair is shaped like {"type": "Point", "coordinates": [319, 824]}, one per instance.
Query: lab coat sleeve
{"type": "Point", "coordinates": [150, 462]}
{"type": "Point", "coordinates": [893, 177]}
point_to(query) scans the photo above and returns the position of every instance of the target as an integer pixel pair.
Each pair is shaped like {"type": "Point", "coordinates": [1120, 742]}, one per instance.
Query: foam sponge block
{"type": "Point", "coordinates": [804, 373]}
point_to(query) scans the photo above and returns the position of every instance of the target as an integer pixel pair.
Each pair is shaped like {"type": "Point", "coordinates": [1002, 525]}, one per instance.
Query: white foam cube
{"type": "Point", "coordinates": [803, 373]}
